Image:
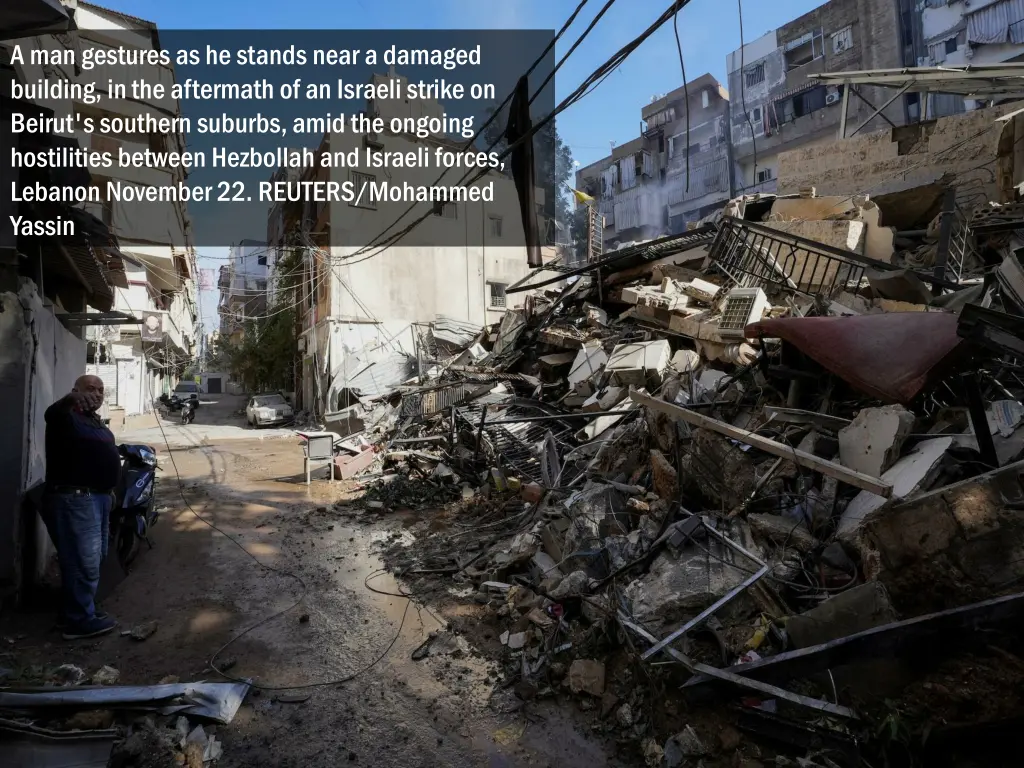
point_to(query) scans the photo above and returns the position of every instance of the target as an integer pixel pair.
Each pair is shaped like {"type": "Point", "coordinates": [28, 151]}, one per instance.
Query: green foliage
{"type": "Point", "coordinates": [263, 359]}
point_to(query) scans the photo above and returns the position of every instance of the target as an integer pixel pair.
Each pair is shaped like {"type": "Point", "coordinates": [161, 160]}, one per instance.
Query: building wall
{"type": "Point", "coordinates": [671, 195]}
{"type": "Point", "coordinates": [766, 115]}
{"type": "Point", "coordinates": [973, 146]}
{"type": "Point", "coordinates": [418, 279]}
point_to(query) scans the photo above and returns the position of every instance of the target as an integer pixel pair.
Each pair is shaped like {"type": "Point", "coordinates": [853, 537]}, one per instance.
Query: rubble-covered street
{"type": "Point", "coordinates": [199, 591]}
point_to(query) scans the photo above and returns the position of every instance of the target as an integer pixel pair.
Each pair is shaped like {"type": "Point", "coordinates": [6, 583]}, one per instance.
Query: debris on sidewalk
{"type": "Point", "coordinates": [766, 438]}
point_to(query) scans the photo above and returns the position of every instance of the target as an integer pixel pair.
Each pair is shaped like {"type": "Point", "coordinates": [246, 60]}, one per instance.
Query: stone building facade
{"type": "Point", "coordinates": [775, 106]}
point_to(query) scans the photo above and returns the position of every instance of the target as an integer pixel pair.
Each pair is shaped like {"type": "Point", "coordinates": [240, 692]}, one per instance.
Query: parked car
{"type": "Point", "coordinates": [268, 410]}
{"type": "Point", "coordinates": [186, 390]}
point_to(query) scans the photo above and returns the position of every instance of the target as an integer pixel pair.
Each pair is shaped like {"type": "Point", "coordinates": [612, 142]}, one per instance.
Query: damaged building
{"type": "Point", "coordinates": [676, 172]}
{"type": "Point", "coordinates": [777, 107]}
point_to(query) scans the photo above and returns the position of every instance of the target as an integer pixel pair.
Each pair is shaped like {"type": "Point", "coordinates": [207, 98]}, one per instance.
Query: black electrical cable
{"type": "Point", "coordinates": [743, 96]}
{"type": "Point", "coordinates": [494, 115]}
{"type": "Point", "coordinates": [582, 90]}
{"type": "Point", "coordinates": [686, 90]}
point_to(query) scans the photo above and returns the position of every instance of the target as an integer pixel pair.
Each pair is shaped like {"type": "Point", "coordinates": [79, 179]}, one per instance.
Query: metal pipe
{"type": "Point", "coordinates": [700, 617]}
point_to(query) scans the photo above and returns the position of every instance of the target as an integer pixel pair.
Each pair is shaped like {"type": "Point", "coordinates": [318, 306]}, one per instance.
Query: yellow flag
{"type": "Point", "coordinates": [582, 197]}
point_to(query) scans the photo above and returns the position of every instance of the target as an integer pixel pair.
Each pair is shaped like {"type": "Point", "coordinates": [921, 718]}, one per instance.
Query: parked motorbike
{"type": "Point", "coordinates": [170, 402]}
{"type": "Point", "coordinates": [188, 413]}
{"type": "Point", "coordinates": [134, 511]}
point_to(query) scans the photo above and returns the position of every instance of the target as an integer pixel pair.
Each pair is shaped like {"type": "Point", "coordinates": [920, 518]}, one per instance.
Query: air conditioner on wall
{"type": "Point", "coordinates": [832, 98]}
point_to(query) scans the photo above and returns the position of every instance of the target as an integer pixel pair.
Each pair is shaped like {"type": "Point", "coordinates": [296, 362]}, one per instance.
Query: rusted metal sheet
{"type": "Point", "coordinates": [892, 356]}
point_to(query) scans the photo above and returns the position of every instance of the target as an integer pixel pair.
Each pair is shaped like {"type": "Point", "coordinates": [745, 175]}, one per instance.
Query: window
{"type": "Point", "coordinates": [755, 116]}
{"type": "Point", "coordinates": [446, 210]}
{"type": "Point", "coordinates": [705, 99]}
{"type": "Point", "coordinates": [809, 101]}
{"type": "Point", "coordinates": [661, 142]}
{"type": "Point", "coordinates": [842, 40]}
{"type": "Point", "coordinates": [951, 45]}
{"type": "Point", "coordinates": [787, 111]}
{"type": "Point", "coordinates": [262, 259]}
{"type": "Point", "coordinates": [763, 175]}
{"type": "Point", "coordinates": [362, 182]}
{"type": "Point", "coordinates": [496, 232]}
{"type": "Point", "coordinates": [804, 49]}
{"type": "Point", "coordinates": [754, 74]}
{"type": "Point", "coordinates": [497, 293]}
{"type": "Point", "coordinates": [261, 285]}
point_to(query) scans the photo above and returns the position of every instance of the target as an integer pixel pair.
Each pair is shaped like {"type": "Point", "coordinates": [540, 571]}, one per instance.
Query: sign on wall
{"type": "Point", "coordinates": [152, 328]}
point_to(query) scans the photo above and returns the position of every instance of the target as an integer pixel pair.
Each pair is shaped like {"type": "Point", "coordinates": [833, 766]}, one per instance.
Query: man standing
{"type": "Point", "coordinates": [82, 470]}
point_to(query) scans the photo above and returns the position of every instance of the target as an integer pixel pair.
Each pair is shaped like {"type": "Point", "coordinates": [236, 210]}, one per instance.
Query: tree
{"type": "Point", "coordinates": [264, 357]}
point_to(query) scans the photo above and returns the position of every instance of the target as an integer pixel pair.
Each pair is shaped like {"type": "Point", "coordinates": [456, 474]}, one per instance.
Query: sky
{"type": "Point", "coordinates": [708, 31]}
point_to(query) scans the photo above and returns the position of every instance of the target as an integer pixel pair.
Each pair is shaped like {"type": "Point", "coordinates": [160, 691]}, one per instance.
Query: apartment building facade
{"type": "Point", "coordinates": [243, 285]}
{"type": "Point", "coordinates": [676, 171]}
{"type": "Point", "coordinates": [960, 33]}
{"type": "Point", "coordinates": [775, 107]}
{"type": "Point", "coordinates": [155, 238]}
{"type": "Point", "coordinates": [356, 306]}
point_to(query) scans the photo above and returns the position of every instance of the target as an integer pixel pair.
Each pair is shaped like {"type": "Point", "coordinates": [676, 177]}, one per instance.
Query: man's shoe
{"type": "Point", "coordinates": [93, 628]}
{"type": "Point", "coordinates": [62, 623]}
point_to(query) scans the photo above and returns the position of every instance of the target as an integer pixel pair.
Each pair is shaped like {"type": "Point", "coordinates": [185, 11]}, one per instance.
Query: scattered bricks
{"type": "Point", "coordinates": [587, 676]}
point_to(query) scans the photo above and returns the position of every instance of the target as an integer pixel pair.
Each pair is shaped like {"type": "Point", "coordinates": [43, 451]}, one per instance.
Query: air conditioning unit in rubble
{"type": "Point", "coordinates": [832, 98]}
{"type": "Point", "coordinates": [742, 307]}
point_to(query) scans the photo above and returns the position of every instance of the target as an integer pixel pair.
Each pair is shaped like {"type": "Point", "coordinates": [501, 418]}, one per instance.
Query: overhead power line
{"type": "Point", "coordinates": [494, 115]}
{"type": "Point", "coordinates": [582, 90]}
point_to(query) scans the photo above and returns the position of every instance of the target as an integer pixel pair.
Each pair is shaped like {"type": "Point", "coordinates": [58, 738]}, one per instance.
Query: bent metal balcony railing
{"type": "Point", "coordinates": [757, 256]}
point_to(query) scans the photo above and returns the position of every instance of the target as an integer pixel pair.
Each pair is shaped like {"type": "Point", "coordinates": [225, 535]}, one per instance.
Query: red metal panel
{"type": "Point", "coordinates": [891, 356]}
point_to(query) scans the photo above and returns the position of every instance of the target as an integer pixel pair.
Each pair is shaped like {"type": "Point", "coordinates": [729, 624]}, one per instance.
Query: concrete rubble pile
{"type": "Point", "coordinates": [773, 460]}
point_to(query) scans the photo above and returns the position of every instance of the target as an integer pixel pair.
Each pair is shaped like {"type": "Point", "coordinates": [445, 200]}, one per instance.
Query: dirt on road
{"type": "Point", "coordinates": [349, 620]}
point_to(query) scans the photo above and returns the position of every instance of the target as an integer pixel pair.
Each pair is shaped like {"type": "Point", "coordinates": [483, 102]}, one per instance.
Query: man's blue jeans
{"type": "Point", "coordinates": [79, 524]}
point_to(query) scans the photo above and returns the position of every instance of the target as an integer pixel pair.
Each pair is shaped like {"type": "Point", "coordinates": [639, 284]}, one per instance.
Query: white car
{"type": "Point", "coordinates": [268, 410]}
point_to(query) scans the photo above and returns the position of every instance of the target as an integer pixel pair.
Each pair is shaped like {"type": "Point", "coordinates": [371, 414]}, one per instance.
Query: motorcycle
{"type": "Point", "coordinates": [134, 511]}
{"type": "Point", "coordinates": [188, 413]}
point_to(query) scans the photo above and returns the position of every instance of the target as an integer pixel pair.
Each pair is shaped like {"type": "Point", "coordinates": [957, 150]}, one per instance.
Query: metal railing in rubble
{"type": "Point", "coordinates": [520, 446]}
{"type": "Point", "coordinates": [961, 244]}
{"type": "Point", "coordinates": [757, 256]}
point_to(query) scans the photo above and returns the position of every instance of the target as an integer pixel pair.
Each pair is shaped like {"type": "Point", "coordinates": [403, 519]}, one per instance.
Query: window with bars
{"type": "Point", "coordinates": [497, 294]}
{"type": "Point", "coordinates": [362, 182]}
{"type": "Point", "coordinates": [754, 75]}
{"type": "Point", "coordinates": [495, 227]}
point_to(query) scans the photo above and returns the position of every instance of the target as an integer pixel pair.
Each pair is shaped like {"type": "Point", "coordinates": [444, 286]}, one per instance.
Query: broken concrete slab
{"type": "Point", "coordinates": [961, 541]}
{"type": "Point", "coordinates": [871, 442]}
{"type": "Point", "coordinates": [855, 610]}
{"type": "Point", "coordinates": [586, 676]}
{"type": "Point", "coordinates": [719, 469]}
{"type": "Point", "coordinates": [907, 476]}
{"type": "Point", "coordinates": [635, 363]}
{"type": "Point", "coordinates": [899, 285]}
{"type": "Point", "coordinates": [685, 361]}
{"type": "Point", "coordinates": [589, 362]}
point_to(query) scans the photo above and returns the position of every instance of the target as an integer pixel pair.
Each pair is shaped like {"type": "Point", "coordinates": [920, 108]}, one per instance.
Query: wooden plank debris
{"type": "Point", "coordinates": [830, 468]}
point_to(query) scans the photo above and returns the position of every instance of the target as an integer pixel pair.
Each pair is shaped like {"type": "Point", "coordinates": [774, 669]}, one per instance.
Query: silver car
{"type": "Point", "coordinates": [268, 410]}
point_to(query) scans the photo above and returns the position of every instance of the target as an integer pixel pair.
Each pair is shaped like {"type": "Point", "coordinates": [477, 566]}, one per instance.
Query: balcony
{"type": "Point", "coordinates": [706, 179]}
